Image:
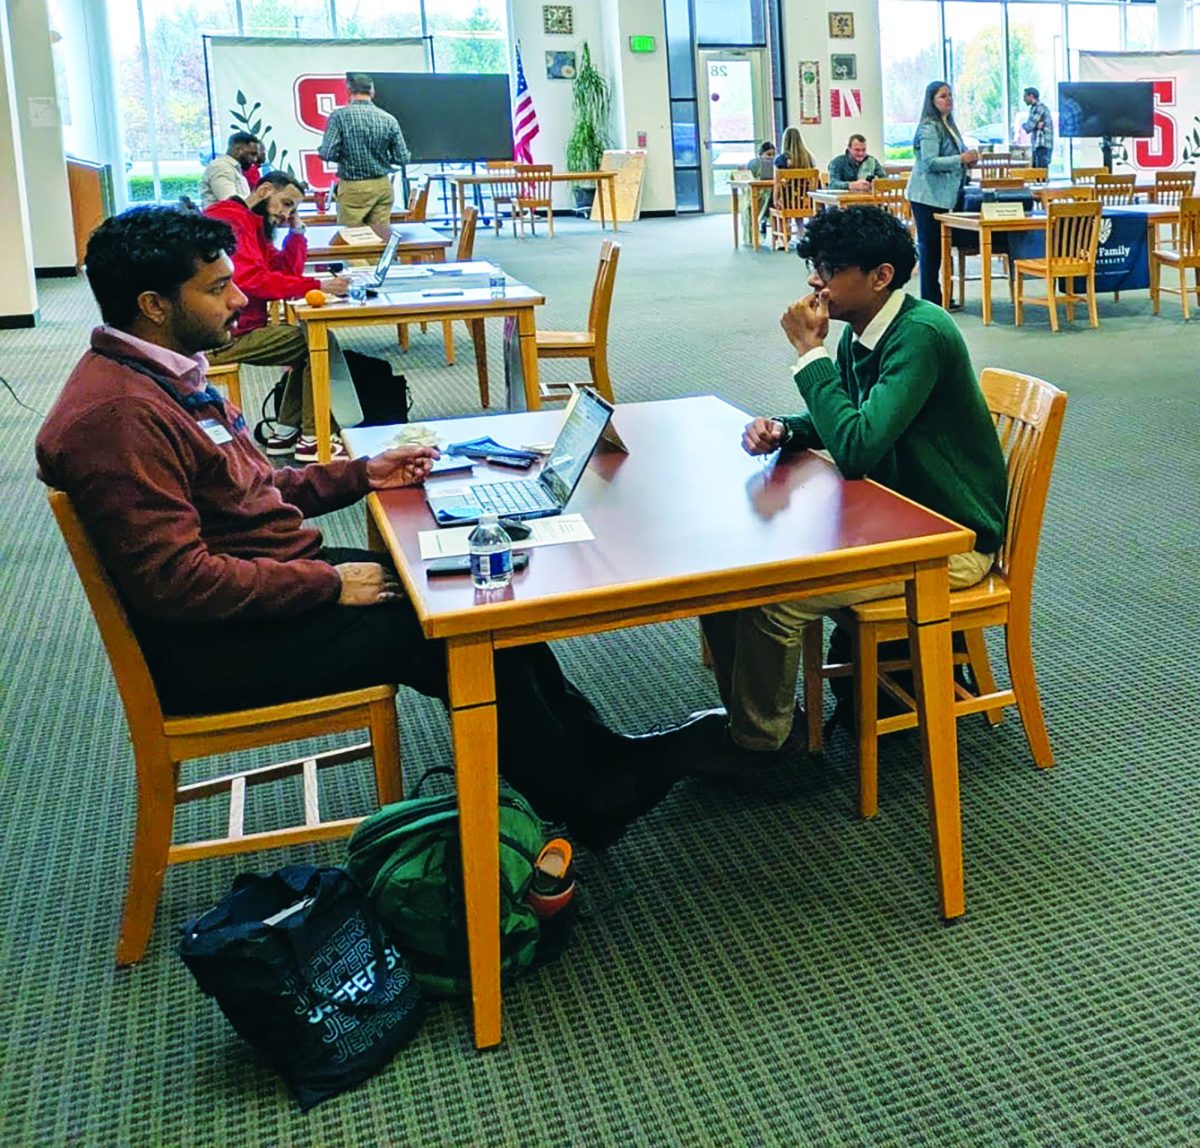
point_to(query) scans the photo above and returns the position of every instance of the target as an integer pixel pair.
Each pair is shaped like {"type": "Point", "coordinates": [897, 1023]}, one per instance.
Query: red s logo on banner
{"type": "Point", "coordinates": [1159, 150]}
{"type": "Point", "coordinates": [315, 98]}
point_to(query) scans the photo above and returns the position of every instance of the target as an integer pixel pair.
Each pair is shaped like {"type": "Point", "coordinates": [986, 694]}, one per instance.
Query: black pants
{"type": "Point", "coordinates": [929, 250]}
{"type": "Point", "coordinates": [553, 746]}
{"type": "Point", "coordinates": [1041, 157]}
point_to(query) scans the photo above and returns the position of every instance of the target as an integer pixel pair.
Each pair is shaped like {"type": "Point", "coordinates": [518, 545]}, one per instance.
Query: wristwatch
{"type": "Point", "coordinates": [787, 430]}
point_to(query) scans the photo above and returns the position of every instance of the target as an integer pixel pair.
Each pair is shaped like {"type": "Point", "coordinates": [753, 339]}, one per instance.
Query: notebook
{"type": "Point", "coordinates": [548, 494]}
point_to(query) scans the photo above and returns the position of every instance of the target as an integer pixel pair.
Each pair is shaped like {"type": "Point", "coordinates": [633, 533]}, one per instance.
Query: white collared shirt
{"type": "Point", "coordinates": [870, 337]}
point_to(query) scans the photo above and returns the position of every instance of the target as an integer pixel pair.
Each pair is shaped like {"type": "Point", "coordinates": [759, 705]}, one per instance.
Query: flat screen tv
{"type": "Point", "coordinates": [1094, 110]}
{"type": "Point", "coordinates": [448, 118]}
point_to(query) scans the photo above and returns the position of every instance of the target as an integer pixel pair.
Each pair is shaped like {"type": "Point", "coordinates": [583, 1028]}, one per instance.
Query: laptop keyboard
{"type": "Point", "coordinates": [512, 497]}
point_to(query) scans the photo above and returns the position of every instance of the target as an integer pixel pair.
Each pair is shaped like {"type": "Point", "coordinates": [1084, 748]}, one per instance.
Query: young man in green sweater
{"type": "Point", "coordinates": [900, 404]}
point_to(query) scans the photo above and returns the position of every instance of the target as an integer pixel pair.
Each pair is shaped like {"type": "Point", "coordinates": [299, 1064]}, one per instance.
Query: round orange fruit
{"type": "Point", "coordinates": [315, 298]}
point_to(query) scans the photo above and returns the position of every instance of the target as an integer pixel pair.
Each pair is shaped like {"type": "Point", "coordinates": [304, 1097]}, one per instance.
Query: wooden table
{"type": "Point", "coordinates": [419, 243]}
{"type": "Point", "coordinates": [744, 534]}
{"type": "Point", "coordinates": [401, 301]}
{"type": "Point", "coordinates": [755, 187]}
{"type": "Point", "coordinates": [602, 180]}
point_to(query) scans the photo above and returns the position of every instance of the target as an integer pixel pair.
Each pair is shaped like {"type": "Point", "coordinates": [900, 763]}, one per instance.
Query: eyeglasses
{"type": "Point", "coordinates": [823, 271]}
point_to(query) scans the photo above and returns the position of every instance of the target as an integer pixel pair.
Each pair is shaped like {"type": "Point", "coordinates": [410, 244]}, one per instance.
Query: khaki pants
{"type": "Point", "coordinates": [756, 652]}
{"type": "Point", "coordinates": [365, 201]}
{"type": "Point", "coordinates": [278, 345]}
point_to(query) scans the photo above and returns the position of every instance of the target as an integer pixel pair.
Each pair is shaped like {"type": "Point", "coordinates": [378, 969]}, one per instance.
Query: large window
{"type": "Point", "coordinates": [990, 51]}
{"type": "Point", "coordinates": [159, 64]}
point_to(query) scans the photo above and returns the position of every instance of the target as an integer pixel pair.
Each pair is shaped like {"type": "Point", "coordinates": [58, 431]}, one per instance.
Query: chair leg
{"type": "Point", "coordinates": [962, 277]}
{"type": "Point", "coordinates": [479, 340]}
{"type": "Point", "coordinates": [598, 364]}
{"type": "Point", "coordinates": [1093, 316]}
{"type": "Point", "coordinates": [550, 220]}
{"type": "Point", "coordinates": [448, 341]}
{"type": "Point", "coordinates": [148, 861]}
{"type": "Point", "coordinates": [981, 671]}
{"type": "Point", "coordinates": [866, 717]}
{"type": "Point", "coordinates": [1155, 276]}
{"type": "Point", "coordinates": [402, 335]}
{"type": "Point", "coordinates": [1019, 646]}
{"type": "Point", "coordinates": [814, 683]}
{"type": "Point", "coordinates": [1052, 301]}
{"type": "Point", "coordinates": [1184, 294]}
{"type": "Point", "coordinates": [1019, 304]}
{"type": "Point", "coordinates": [385, 743]}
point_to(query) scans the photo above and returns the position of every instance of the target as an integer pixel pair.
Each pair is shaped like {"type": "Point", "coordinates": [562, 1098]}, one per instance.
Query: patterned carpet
{"type": "Point", "coordinates": [759, 966]}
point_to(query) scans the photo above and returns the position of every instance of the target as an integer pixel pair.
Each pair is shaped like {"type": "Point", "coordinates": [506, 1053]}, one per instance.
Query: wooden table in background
{"type": "Point", "coordinates": [754, 187]}
{"type": "Point", "coordinates": [404, 301]}
{"type": "Point", "coordinates": [744, 535]}
{"type": "Point", "coordinates": [602, 180]}
{"type": "Point", "coordinates": [419, 243]}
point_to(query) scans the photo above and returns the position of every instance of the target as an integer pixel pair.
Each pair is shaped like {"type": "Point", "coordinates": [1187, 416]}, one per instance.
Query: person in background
{"type": "Point", "coordinates": [226, 175]}
{"type": "Point", "coordinates": [264, 272]}
{"type": "Point", "coordinates": [1040, 127]}
{"type": "Point", "coordinates": [900, 404]}
{"type": "Point", "coordinates": [854, 170]}
{"type": "Point", "coordinates": [367, 145]}
{"type": "Point", "coordinates": [792, 152]}
{"type": "Point", "coordinates": [234, 596]}
{"type": "Point", "coordinates": [255, 171]}
{"type": "Point", "coordinates": [942, 162]}
{"type": "Point", "coordinates": [762, 166]}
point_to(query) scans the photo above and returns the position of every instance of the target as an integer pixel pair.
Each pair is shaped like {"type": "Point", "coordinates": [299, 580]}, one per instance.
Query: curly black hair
{"type": "Point", "coordinates": [149, 249]}
{"type": "Point", "coordinates": [862, 237]}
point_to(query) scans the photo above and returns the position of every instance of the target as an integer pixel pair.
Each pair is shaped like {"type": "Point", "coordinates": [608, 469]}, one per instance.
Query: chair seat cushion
{"type": "Point", "coordinates": [991, 591]}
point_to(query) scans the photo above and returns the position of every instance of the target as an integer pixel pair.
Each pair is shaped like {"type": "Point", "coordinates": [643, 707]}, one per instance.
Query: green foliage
{"type": "Point", "coordinates": [1191, 143]}
{"type": "Point", "coordinates": [591, 105]}
{"type": "Point", "coordinates": [141, 188]}
{"type": "Point", "coordinates": [246, 119]}
{"type": "Point", "coordinates": [978, 95]}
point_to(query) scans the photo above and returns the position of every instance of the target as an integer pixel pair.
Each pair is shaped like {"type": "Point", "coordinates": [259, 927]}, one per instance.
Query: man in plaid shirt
{"type": "Point", "coordinates": [1040, 128]}
{"type": "Point", "coordinates": [367, 144]}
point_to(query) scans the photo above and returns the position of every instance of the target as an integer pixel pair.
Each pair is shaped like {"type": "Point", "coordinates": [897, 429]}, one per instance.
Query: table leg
{"type": "Point", "coordinates": [600, 202]}
{"type": "Point", "coordinates": [318, 360]}
{"type": "Point", "coordinates": [985, 253]}
{"type": "Point", "coordinates": [612, 200]}
{"type": "Point", "coordinates": [928, 603]}
{"type": "Point", "coordinates": [947, 268]}
{"type": "Point", "coordinates": [733, 199]}
{"type": "Point", "coordinates": [479, 339]}
{"type": "Point", "coordinates": [527, 333]}
{"type": "Point", "coordinates": [472, 684]}
{"type": "Point", "coordinates": [755, 242]}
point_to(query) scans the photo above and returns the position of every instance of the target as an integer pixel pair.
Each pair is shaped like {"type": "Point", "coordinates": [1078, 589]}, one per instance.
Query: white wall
{"type": "Point", "coordinates": [806, 37]}
{"type": "Point", "coordinates": [18, 292]}
{"type": "Point", "coordinates": [41, 135]}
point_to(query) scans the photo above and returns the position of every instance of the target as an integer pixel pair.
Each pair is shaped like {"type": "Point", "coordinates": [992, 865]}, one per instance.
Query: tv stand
{"type": "Point", "coordinates": [1106, 151]}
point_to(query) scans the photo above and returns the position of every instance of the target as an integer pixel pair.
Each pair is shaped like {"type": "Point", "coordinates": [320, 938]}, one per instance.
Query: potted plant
{"type": "Point", "coordinates": [591, 103]}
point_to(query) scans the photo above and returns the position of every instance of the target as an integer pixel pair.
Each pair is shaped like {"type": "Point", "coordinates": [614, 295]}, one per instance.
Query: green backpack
{"type": "Point", "coordinates": [406, 857]}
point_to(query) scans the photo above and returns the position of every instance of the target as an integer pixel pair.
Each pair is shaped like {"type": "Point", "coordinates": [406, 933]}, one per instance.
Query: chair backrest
{"type": "Point", "coordinates": [602, 291]}
{"type": "Point", "coordinates": [1188, 246]}
{"type": "Point", "coordinates": [995, 162]}
{"type": "Point", "coordinates": [1005, 183]}
{"type": "Point", "coordinates": [1028, 414]}
{"type": "Point", "coordinates": [792, 185]}
{"type": "Point", "coordinates": [890, 193]}
{"type": "Point", "coordinates": [1072, 234]}
{"type": "Point", "coordinates": [466, 237]}
{"type": "Point", "coordinates": [1029, 174]}
{"type": "Point", "coordinates": [1172, 186]}
{"type": "Point", "coordinates": [897, 171]}
{"type": "Point", "coordinates": [1114, 190]}
{"type": "Point", "coordinates": [1087, 174]}
{"type": "Point", "coordinates": [503, 183]}
{"type": "Point", "coordinates": [534, 180]}
{"type": "Point", "coordinates": [1082, 193]}
{"type": "Point", "coordinates": [418, 203]}
{"type": "Point", "coordinates": [143, 711]}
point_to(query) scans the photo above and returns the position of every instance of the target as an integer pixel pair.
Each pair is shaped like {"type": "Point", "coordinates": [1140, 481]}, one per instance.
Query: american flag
{"type": "Point", "coordinates": [525, 123]}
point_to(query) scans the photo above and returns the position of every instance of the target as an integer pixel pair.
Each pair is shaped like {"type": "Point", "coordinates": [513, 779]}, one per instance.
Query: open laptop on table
{"type": "Point", "coordinates": [540, 497]}
{"type": "Point", "coordinates": [376, 278]}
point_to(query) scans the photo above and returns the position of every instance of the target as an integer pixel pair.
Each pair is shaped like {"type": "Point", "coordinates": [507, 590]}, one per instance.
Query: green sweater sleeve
{"type": "Point", "coordinates": [858, 436]}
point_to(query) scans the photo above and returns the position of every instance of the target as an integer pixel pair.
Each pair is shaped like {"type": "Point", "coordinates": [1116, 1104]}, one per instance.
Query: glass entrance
{"type": "Point", "coordinates": [734, 106]}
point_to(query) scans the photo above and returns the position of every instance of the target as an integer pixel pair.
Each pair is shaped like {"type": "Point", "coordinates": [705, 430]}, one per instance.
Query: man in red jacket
{"type": "Point", "coordinates": [264, 272]}
{"type": "Point", "coordinates": [235, 599]}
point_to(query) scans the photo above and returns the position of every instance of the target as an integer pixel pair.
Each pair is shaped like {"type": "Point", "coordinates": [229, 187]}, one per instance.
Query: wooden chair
{"type": "Point", "coordinates": [504, 191]}
{"type": "Point", "coordinates": [161, 743]}
{"type": "Point", "coordinates": [1072, 237]}
{"type": "Point", "coordinates": [1080, 193]}
{"type": "Point", "coordinates": [228, 377]}
{"type": "Point", "coordinates": [1087, 174]}
{"type": "Point", "coordinates": [418, 203]}
{"type": "Point", "coordinates": [897, 171]}
{"type": "Point", "coordinates": [1115, 190]}
{"type": "Point", "coordinates": [1185, 256]}
{"type": "Point", "coordinates": [892, 198]}
{"type": "Point", "coordinates": [1001, 183]}
{"type": "Point", "coordinates": [1028, 413]}
{"type": "Point", "coordinates": [1171, 188]}
{"type": "Point", "coordinates": [791, 203]}
{"type": "Point", "coordinates": [995, 165]}
{"type": "Point", "coordinates": [591, 344]}
{"type": "Point", "coordinates": [535, 192]}
{"type": "Point", "coordinates": [1029, 174]}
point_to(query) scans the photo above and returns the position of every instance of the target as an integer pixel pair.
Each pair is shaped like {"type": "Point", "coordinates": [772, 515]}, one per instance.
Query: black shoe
{"type": "Point", "coordinates": [954, 306]}
{"type": "Point", "coordinates": [726, 759]}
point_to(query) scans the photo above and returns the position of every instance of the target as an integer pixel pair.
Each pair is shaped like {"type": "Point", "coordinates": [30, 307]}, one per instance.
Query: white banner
{"type": "Point", "coordinates": [1176, 80]}
{"type": "Point", "coordinates": [283, 90]}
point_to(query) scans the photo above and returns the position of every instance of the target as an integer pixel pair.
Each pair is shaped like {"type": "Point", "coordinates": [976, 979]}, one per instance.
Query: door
{"type": "Point", "coordinates": [735, 116]}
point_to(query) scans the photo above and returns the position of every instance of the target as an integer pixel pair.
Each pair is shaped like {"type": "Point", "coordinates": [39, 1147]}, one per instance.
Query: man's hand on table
{"type": "Point", "coordinates": [337, 285]}
{"type": "Point", "coordinates": [366, 584]}
{"type": "Point", "coordinates": [763, 436]}
{"type": "Point", "coordinates": [806, 322]}
{"type": "Point", "coordinates": [401, 466]}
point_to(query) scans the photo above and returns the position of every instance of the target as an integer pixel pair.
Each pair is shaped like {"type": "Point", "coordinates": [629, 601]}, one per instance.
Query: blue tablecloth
{"type": "Point", "coordinates": [1122, 258]}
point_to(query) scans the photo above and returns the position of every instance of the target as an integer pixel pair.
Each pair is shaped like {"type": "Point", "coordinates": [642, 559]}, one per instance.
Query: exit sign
{"type": "Point", "coordinates": [641, 43]}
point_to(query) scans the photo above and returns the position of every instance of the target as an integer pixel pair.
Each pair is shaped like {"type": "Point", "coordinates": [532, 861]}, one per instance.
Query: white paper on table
{"type": "Point", "coordinates": [358, 235]}
{"type": "Point", "coordinates": [452, 541]}
{"type": "Point", "coordinates": [408, 271]}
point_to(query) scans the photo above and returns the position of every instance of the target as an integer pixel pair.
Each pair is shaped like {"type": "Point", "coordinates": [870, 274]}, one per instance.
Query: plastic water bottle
{"type": "Point", "coordinates": [491, 554]}
{"type": "Point", "coordinates": [357, 290]}
{"type": "Point", "coordinates": [497, 282]}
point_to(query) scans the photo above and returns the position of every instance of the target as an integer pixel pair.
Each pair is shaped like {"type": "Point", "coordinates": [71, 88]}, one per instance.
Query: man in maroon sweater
{"type": "Point", "coordinates": [264, 272]}
{"type": "Point", "coordinates": [208, 547]}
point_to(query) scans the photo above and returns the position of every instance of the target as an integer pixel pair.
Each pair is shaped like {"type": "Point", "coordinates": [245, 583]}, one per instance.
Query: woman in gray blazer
{"type": "Point", "coordinates": [940, 170]}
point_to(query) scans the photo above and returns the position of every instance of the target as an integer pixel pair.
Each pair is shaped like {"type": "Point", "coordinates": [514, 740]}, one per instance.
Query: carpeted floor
{"type": "Point", "coordinates": [759, 966]}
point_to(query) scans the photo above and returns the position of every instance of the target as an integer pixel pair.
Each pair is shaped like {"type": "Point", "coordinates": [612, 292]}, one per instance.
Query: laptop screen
{"type": "Point", "coordinates": [585, 423]}
{"type": "Point", "coordinates": [385, 260]}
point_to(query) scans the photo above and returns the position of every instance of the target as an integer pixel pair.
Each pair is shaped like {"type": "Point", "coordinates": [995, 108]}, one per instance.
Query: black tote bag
{"type": "Point", "coordinates": [301, 969]}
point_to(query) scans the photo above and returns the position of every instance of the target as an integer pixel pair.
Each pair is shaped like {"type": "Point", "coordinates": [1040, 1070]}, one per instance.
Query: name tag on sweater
{"type": "Point", "coordinates": [216, 431]}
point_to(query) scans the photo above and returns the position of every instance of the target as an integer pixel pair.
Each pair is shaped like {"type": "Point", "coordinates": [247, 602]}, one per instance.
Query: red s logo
{"type": "Point", "coordinates": [316, 97]}
{"type": "Point", "coordinates": [1159, 150]}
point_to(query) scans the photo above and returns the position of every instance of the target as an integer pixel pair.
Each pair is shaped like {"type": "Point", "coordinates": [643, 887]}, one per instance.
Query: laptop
{"type": "Point", "coordinates": [377, 276]}
{"type": "Point", "coordinates": [541, 497]}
